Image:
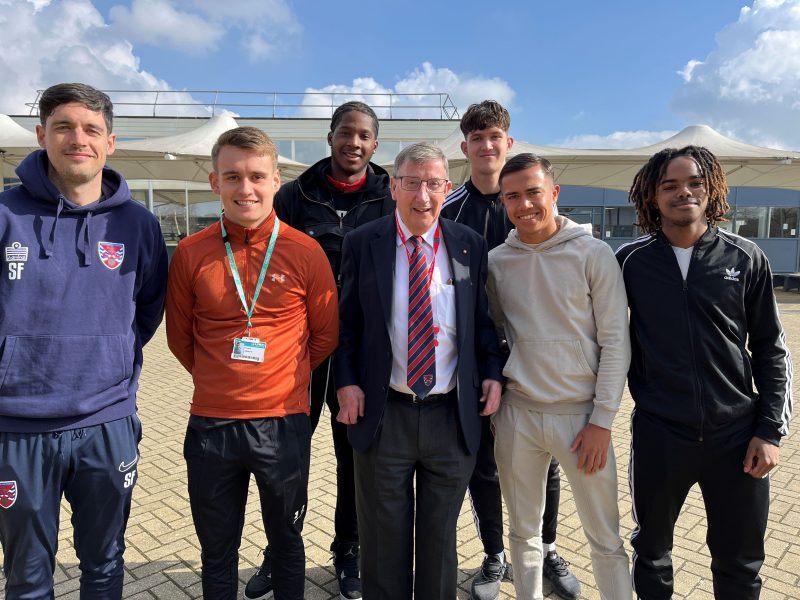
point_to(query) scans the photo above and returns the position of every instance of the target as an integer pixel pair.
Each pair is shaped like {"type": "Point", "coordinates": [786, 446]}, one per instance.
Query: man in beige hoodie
{"type": "Point", "coordinates": [558, 296]}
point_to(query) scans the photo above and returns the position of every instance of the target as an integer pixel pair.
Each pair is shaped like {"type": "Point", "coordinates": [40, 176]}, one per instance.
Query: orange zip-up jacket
{"type": "Point", "coordinates": [296, 315]}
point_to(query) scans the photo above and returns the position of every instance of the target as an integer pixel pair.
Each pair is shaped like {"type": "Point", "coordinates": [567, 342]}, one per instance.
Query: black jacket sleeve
{"type": "Point", "coordinates": [772, 367]}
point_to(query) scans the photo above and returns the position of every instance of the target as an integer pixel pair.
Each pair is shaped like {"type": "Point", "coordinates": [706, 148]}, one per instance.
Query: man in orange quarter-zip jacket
{"type": "Point", "coordinates": [251, 310]}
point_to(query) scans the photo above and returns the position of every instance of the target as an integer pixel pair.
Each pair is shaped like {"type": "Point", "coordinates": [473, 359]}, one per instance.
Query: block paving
{"type": "Point", "coordinates": [162, 560]}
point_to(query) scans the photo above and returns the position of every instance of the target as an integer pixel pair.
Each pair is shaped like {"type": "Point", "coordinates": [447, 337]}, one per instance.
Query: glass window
{"type": "Point", "coordinates": [309, 151]}
{"type": "Point", "coordinates": [169, 206]}
{"type": "Point", "coordinates": [204, 209]}
{"type": "Point", "coordinates": [284, 148]}
{"type": "Point", "coordinates": [751, 221]}
{"type": "Point", "coordinates": [592, 215]}
{"type": "Point", "coordinates": [386, 152]}
{"type": "Point", "coordinates": [9, 182]}
{"type": "Point", "coordinates": [783, 222]}
{"type": "Point", "coordinates": [620, 223]}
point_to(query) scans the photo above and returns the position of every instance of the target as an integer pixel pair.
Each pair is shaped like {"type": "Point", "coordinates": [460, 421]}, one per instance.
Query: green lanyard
{"type": "Point", "coordinates": [235, 272]}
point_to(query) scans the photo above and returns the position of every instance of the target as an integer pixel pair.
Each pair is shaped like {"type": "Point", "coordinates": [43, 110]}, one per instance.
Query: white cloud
{"type": "Point", "coordinates": [46, 43]}
{"type": "Point", "coordinates": [261, 27]}
{"type": "Point", "coordinates": [257, 47]}
{"type": "Point", "coordinates": [749, 85]}
{"type": "Point", "coordinates": [687, 71]}
{"type": "Point", "coordinates": [411, 102]}
{"type": "Point", "coordinates": [158, 22]}
{"type": "Point", "coordinates": [618, 139]}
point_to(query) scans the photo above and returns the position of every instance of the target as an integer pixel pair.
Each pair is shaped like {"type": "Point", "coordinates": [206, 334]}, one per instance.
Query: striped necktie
{"type": "Point", "coordinates": [421, 370]}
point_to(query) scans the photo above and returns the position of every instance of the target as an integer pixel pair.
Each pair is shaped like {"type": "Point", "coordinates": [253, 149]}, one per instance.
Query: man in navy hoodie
{"type": "Point", "coordinates": [82, 281]}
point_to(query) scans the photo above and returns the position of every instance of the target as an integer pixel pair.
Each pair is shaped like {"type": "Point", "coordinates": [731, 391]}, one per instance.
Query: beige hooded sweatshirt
{"type": "Point", "coordinates": [562, 307]}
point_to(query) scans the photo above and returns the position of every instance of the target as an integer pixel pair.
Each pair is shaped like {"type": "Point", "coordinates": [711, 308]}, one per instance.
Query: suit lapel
{"type": "Point", "coordinates": [383, 248]}
{"type": "Point", "coordinates": [458, 250]}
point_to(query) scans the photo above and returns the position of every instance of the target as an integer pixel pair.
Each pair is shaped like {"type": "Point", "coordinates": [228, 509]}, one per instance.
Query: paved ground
{"type": "Point", "coordinates": [163, 557]}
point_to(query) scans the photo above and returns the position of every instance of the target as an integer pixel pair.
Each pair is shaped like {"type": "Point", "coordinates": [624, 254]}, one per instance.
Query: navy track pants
{"type": "Point", "coordinates": [96, 469]}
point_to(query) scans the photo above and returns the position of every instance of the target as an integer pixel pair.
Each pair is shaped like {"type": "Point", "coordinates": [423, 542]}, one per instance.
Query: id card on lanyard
{"type": "Point", "coordinates": [248, 348]}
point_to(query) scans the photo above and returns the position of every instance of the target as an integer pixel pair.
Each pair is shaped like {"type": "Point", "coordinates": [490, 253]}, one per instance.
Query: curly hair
{"type": "Point", "coordinates": [643, 191]}
{"type": "Point", "coordinates": [483, 115]}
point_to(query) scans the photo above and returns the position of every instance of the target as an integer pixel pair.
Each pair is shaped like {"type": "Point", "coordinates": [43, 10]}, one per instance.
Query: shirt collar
{"type": "Point", "coordinates": [428, 236]}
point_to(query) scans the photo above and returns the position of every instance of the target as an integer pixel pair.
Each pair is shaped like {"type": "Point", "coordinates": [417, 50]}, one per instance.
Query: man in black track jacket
{"type": "Point", "coordinates": [330, 199]}
{"type": "Point", "coordinates": [710, 375]}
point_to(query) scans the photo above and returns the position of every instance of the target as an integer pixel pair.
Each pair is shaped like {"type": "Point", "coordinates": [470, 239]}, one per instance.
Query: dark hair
{"type": "Point", "coordinates": [64, 93]}
{"type": "Point", "coordinates": [488, 113]}
{"type": "Point", "coordinates": [643, 191]}
{"type": "Point", "coordinates": [248, 138]}
{"type": "Point", "coordinates": [353, 105]}
{"type": "Point", "coordinates": [524, 161]}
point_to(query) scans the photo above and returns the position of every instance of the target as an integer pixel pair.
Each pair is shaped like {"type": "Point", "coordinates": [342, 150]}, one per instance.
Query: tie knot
{"type": "Point", "coordinates": [416, 241]}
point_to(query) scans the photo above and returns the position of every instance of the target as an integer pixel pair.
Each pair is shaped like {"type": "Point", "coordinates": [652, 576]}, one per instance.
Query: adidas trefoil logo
{"type": "Point", "coordinates": [732, 274]}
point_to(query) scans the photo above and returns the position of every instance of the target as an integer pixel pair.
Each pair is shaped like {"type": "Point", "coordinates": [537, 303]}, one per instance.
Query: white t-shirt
{"type": "Point", "coordinates": [684, 256]}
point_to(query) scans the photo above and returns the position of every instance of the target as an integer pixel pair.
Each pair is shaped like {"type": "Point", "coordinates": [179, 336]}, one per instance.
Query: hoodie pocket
{"type": "Point", "coordinates": [550, 370]}
{"type": "Point", "coordinates": [46, 376]}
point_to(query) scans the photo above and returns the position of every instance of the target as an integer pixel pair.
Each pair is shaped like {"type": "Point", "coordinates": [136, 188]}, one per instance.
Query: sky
{"type": "Point", "coordinates": [578, 73]}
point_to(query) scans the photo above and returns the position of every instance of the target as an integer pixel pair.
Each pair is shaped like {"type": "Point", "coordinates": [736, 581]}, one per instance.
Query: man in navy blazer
{"type": "Point", "coordinates": [401, 429]}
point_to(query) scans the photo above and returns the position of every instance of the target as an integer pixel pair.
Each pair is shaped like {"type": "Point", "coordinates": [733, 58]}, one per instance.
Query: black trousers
{"type": "Point", "coordinates": [321, 392]}
{"type": "Point", "coordinates": [422, 442]}
{"type": "Point", "coordinates": [486, 500]}
{"type": "Point", "coordinates": [219, 462]}
{"type": "Point", "coordinates": [664, 465]}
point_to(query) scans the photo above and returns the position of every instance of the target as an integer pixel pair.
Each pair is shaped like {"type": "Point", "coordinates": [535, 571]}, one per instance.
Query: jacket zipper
{"type": "Point", "coordinates": [698, 387]}
{"type": "Point", "coordinates": [333, 210]}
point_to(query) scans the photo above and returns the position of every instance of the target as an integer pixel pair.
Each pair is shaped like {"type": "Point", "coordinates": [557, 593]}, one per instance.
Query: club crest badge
{"type": "Point", "coordinates": [8, 494]}
{"type": "Point", "coordinates": [427, 380]}
{"type": "Point", "coordinates": [111, 254]}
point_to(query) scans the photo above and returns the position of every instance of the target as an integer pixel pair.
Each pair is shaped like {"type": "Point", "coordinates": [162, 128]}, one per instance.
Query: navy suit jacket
{"type": "Point", "coordinates": [364, 356]}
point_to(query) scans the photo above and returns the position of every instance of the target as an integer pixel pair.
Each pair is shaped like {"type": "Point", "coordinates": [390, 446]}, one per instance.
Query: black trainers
{"type": "Point", "coordinates": [486, 585]}
{"type": "Point", "coordinates": [556, 570]}
{"type": "Point", "coordinates": [345, 562]}
{"type": "Point", "coordinates": [260, 584]}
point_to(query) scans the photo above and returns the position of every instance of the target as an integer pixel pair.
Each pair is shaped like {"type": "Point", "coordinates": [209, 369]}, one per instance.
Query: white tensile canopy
{"type": "Point", "coordinates": [746, 165]}
{"type": "Point", "coordinates": [182, 157]}
{"type": "Point", "coordinates": [16, 143]}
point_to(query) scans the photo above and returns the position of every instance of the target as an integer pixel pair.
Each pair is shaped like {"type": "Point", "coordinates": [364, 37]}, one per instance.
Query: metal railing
{"type": "Point", "coordinates": [273, 105]}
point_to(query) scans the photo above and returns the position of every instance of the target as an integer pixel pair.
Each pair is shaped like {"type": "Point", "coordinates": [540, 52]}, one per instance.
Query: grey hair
{"type": "Point", "coordinates": [419, 153]}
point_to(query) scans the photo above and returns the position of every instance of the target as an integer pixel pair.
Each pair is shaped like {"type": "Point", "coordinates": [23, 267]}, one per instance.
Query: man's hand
{"type": "Point", "coordinates": [351, 404]}
{"type": "Point", "coordinates": [761, 458]}
{"type": "Point", "coordinates": [492, 390]}
{"type": "Point", "coordinates": [593, 442]}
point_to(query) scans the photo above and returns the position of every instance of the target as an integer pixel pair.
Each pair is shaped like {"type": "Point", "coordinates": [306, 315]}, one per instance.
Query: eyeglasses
{"type": "Point", "coordinates": [412, 184]}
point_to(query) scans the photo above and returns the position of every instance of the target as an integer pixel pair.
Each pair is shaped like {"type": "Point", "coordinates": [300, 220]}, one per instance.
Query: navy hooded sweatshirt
{"type": "Point", "coordinates": [81, 291]}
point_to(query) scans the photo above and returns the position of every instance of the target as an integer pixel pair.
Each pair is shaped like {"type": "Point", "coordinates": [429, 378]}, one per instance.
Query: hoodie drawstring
{"type": "Point", "coordinates": [48, 247]}
{"type": "Point", "coordinates": [83, 234]}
